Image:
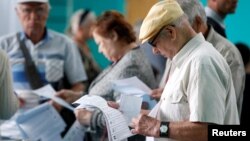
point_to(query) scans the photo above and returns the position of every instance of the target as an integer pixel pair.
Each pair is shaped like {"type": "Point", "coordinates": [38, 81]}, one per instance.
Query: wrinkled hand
{"type": "Point", "coordinates": [68, 95]}
{"type": "Point", "coordinates": [83, 116]}
{"type": "Point", "coordinates": [146, 126]}
{"type": "Point", "coordinates": [113, 104]}
{"type": "Point", "coordinates": [156, 93]}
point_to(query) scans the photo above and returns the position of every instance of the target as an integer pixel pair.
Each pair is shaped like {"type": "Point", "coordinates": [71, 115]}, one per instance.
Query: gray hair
{"type": "Point", "coordinates": [193, 8]}
{"type": "Point", "coordinates": [75, 21]}
{"type": "Point", "coordinates": [180, 23]}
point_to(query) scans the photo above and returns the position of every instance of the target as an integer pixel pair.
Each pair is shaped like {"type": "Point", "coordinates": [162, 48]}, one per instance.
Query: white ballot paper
{"type": "Point", "coordinates": [48, 92]}
{"type": "Point", "coordinates": [134, 86]}
{"type": "Point", "coordinates": [41, 123]}
{"type": "Point", "coordinates": [131, 85]}
{"type": "Point", "coordinates": [130, 106]}
{"type": "Point", "coordinates": [116, 124]}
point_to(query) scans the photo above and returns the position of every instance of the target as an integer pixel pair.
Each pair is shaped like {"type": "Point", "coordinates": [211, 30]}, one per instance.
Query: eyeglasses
{"type": "Point", "coordinates": [151, 42]}
{"type": "Point", "coordinates": [40, 11]}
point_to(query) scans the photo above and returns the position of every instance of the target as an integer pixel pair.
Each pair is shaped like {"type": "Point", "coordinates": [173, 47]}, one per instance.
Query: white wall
{"type": "Point", "coordinates": [9, 22]}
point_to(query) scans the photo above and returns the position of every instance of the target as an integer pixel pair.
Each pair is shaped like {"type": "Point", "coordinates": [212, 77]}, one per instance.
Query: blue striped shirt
{"type": "Point", "coordinates": [54, 56]}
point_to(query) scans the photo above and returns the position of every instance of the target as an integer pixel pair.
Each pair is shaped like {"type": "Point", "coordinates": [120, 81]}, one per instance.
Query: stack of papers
{"type": "Point", "coordinates": [116, 124]}
{"type": "Point", "coordinates": [41, 123]}
{"type": "Point", "coordinates": [134, 86]}
{"type": "Point", "coordinates": [76, 131]}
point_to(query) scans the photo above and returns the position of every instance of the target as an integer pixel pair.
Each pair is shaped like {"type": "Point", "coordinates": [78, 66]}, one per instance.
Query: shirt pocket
{"type": "Point", "coordinates": [178, 107]}
{"type": "Point", "coordinates": [54, 70]}
{"type": "Point", "coordinates": [176, 97]}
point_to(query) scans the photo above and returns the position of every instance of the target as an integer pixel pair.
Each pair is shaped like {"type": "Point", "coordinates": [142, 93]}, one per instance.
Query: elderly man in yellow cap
{"type": "Point", "coordinates": [199, 89]}
{"type": "Point", "coordinates": [197, 18]}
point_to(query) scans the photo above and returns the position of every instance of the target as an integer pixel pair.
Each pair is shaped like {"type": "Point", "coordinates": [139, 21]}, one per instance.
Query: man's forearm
{"type": "Point", "coordinates": [188, 131]}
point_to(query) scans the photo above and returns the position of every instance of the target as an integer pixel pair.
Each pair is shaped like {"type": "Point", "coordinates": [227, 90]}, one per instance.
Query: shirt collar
{"type": "Point", "coordinates": [47, 36]}
{"type": "Point", "coordinates": [211, 13]}
{"type": "Point", "coordinates": [183, 54]}
{"type": "Point", "coordinates": [210, 33]}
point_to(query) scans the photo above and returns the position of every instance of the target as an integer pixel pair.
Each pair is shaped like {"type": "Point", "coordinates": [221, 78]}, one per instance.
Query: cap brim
{"type": "Point", "coordinates": [26, 1]}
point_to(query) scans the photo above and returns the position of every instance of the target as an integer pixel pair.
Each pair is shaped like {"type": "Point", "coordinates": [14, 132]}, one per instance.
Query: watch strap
{"type": "Point", "coordinates": [164, 134]}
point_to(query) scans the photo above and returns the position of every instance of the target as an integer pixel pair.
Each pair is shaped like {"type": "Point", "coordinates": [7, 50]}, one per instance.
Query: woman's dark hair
{"type": "Point", "coordinates": [113, 21]}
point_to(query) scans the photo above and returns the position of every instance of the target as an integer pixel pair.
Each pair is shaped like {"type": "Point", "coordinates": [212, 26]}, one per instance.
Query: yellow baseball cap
{"type": "Point", "coordinates": [161, 14]}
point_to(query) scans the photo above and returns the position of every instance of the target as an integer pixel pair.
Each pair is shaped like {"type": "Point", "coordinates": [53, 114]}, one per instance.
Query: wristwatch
{"type": "Point", "coordinates": [164, 129]}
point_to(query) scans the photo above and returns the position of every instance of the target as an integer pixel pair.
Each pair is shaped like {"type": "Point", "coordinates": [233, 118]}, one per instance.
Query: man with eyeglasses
{"type": "Point", "coordinates": [55, 57]}
{"type": "Point", "coordinates": [198, 20]}
{"type": "Point", "coordinates": [199, 90]}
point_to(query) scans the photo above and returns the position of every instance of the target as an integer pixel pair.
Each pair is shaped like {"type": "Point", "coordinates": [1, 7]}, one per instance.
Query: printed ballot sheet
{"type": "Point", "coordinates": [134, 86]}
{"type": "Point", "coordinates": [116, 124]}
{"type": "Point", "coordinates": [41, 123]}
{"type": "Point", "coordinates": [48, 92]}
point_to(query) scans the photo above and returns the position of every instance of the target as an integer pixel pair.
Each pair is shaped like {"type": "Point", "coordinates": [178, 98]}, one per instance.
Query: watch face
{"type": "Point", "coordinates": [164, 128]}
